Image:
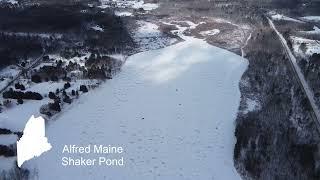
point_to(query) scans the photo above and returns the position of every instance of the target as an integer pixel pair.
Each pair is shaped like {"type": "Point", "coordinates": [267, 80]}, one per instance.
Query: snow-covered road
{"type": "Point", "coordinates": [172, 110]}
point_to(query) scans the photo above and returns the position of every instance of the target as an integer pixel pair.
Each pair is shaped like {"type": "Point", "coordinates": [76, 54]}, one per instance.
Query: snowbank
{"type": "Point", "coordinates": [172, 110]}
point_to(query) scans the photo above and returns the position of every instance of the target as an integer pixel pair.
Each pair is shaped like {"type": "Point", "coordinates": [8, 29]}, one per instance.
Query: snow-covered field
{"type": "Point", "coordinates": [10, 1]}
{"type": "Point", "coordinates": [210, 32]}
{"type": "Point", "coordinates": [123, 13]}
{"type": "Point", "coordinates": [312, 46]}
{"type": "Point", "coordinates": [8, 139]}
{"type": "Point", "coordinates": [7, 163]}
{"type": "Point", "coordinates": [172, 110]}
{"type": "Point", "coordinates": [9, 72]}
{"type": "Point", "coordinates": [15, 117]}
{"type": "Point", "coordinates": [279, 17]}
{"type": "Point", "coordinates": [135, 4]}
{"type": "Point", "coordinates": [78, 60]}
{"type": "Point", "coordinates": [315, 31]}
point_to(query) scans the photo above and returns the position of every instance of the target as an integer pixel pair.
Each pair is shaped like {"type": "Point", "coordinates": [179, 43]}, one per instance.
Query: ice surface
{"type": "Point", "coordinates": [172, 110]}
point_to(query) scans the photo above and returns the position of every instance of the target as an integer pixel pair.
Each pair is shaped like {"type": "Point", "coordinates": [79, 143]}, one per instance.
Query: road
{"type": "Point", "coordinates": [246, 43]}
{"type": "Point", "coordinates": [299, 75]}
{"type": "Point", "coordinates": [23, 70]}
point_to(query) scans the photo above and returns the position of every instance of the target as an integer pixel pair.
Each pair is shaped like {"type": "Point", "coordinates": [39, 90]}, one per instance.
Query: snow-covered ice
{"type": "Point", "coordinates": [172, 109]}
{"type": "Point", "coordinates": [119, 57]}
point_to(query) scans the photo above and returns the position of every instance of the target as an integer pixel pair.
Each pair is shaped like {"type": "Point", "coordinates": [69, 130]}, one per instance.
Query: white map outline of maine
{"type": "Point", "coordinates": [33, 142]}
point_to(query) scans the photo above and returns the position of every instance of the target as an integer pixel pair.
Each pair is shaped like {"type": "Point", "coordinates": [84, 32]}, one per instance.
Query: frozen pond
{"type": "Point", "coordinates": [172, 110]}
